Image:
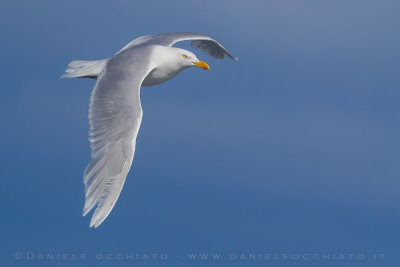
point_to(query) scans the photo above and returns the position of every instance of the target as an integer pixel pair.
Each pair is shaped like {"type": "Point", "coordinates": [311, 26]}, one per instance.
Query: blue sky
{"type": "Point", "coordinates": [292, 149]}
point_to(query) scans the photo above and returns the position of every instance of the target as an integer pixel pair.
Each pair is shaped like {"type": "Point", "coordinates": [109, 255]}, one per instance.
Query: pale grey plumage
{"type": "Point", "coordinates": [201, 41]}
{"type": "Point", "coordinates": [115, 115]}
{"type": "Point", "coordinates": [115, 112]}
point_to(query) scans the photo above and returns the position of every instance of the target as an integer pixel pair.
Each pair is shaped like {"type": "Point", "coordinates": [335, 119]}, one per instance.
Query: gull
{"type": "Point", "coordinates": [115, 112]}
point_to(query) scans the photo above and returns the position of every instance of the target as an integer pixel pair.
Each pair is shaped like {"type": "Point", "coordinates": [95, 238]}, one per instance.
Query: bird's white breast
{"type": "Point", "coordinates": [166, 66]}
{"type": "Point", "coordinates": [160, 75]}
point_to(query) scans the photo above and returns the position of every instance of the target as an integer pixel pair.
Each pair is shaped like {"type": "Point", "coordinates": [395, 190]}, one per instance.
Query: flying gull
{"type": "Point", "coordinates": [115, 112]}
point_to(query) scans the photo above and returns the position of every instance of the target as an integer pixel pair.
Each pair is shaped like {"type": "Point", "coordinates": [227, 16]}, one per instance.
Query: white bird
{"type": "Point", "coordinates": [115, 112]}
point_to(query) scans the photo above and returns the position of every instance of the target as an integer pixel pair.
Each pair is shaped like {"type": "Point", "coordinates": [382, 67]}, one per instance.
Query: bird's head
{"type": "Point", "coordinates": [188, 59]}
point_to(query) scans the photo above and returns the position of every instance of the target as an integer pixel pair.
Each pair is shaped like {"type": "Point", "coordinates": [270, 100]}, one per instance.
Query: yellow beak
{"type": "Point", "coordinates": [202, 65]}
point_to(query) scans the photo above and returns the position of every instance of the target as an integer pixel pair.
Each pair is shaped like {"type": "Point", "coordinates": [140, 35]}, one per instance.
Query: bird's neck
{"type": "Point", "coordinates": [166, 67]}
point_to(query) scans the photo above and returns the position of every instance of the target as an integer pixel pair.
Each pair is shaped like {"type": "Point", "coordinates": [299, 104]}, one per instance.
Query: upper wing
{"type": "Point", "coordinates": [201, 41]}
{"type": "Point", "coordinates": [115, 114]}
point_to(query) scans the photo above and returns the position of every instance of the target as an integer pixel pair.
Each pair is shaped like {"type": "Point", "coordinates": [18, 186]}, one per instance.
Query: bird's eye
{"type": "Point", "coordinates": [185, 56]}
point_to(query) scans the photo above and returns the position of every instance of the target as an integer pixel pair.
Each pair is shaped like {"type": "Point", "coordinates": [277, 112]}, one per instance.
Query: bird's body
{"type": "Point", "coordinates": [115, 112]}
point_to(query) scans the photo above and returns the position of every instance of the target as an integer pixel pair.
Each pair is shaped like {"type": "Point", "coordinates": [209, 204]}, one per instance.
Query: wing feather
{"type": "Point", "coordinates": [201, 41]}
{"type": "Point", "coordinates": [115, 114]}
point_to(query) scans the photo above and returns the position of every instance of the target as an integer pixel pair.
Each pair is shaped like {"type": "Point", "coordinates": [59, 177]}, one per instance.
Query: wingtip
{"type": "Point", "coordinates": [232, 57]}
{"type": "Point", "coordinates": [95, 223]}
{"type": "Point", "coordinates": [85, 212]}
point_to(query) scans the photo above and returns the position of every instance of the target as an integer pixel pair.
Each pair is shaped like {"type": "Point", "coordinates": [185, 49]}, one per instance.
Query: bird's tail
{"type": "Point", "coordinates": [84, 68]}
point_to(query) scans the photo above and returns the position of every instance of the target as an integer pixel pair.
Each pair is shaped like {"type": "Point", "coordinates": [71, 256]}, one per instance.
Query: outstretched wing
{"type": "Point", "coordinates": [201, 41]}
{"type": "Point", "coordinates": [115, 114]}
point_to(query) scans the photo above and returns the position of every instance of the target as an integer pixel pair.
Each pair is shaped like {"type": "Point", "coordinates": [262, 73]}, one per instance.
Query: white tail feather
{"type": "Point", "coordinates": [84, 69]}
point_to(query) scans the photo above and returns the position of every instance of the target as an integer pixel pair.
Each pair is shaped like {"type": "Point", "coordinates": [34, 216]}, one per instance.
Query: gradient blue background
{"type": "Point", "coordinates": [294, 148]}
